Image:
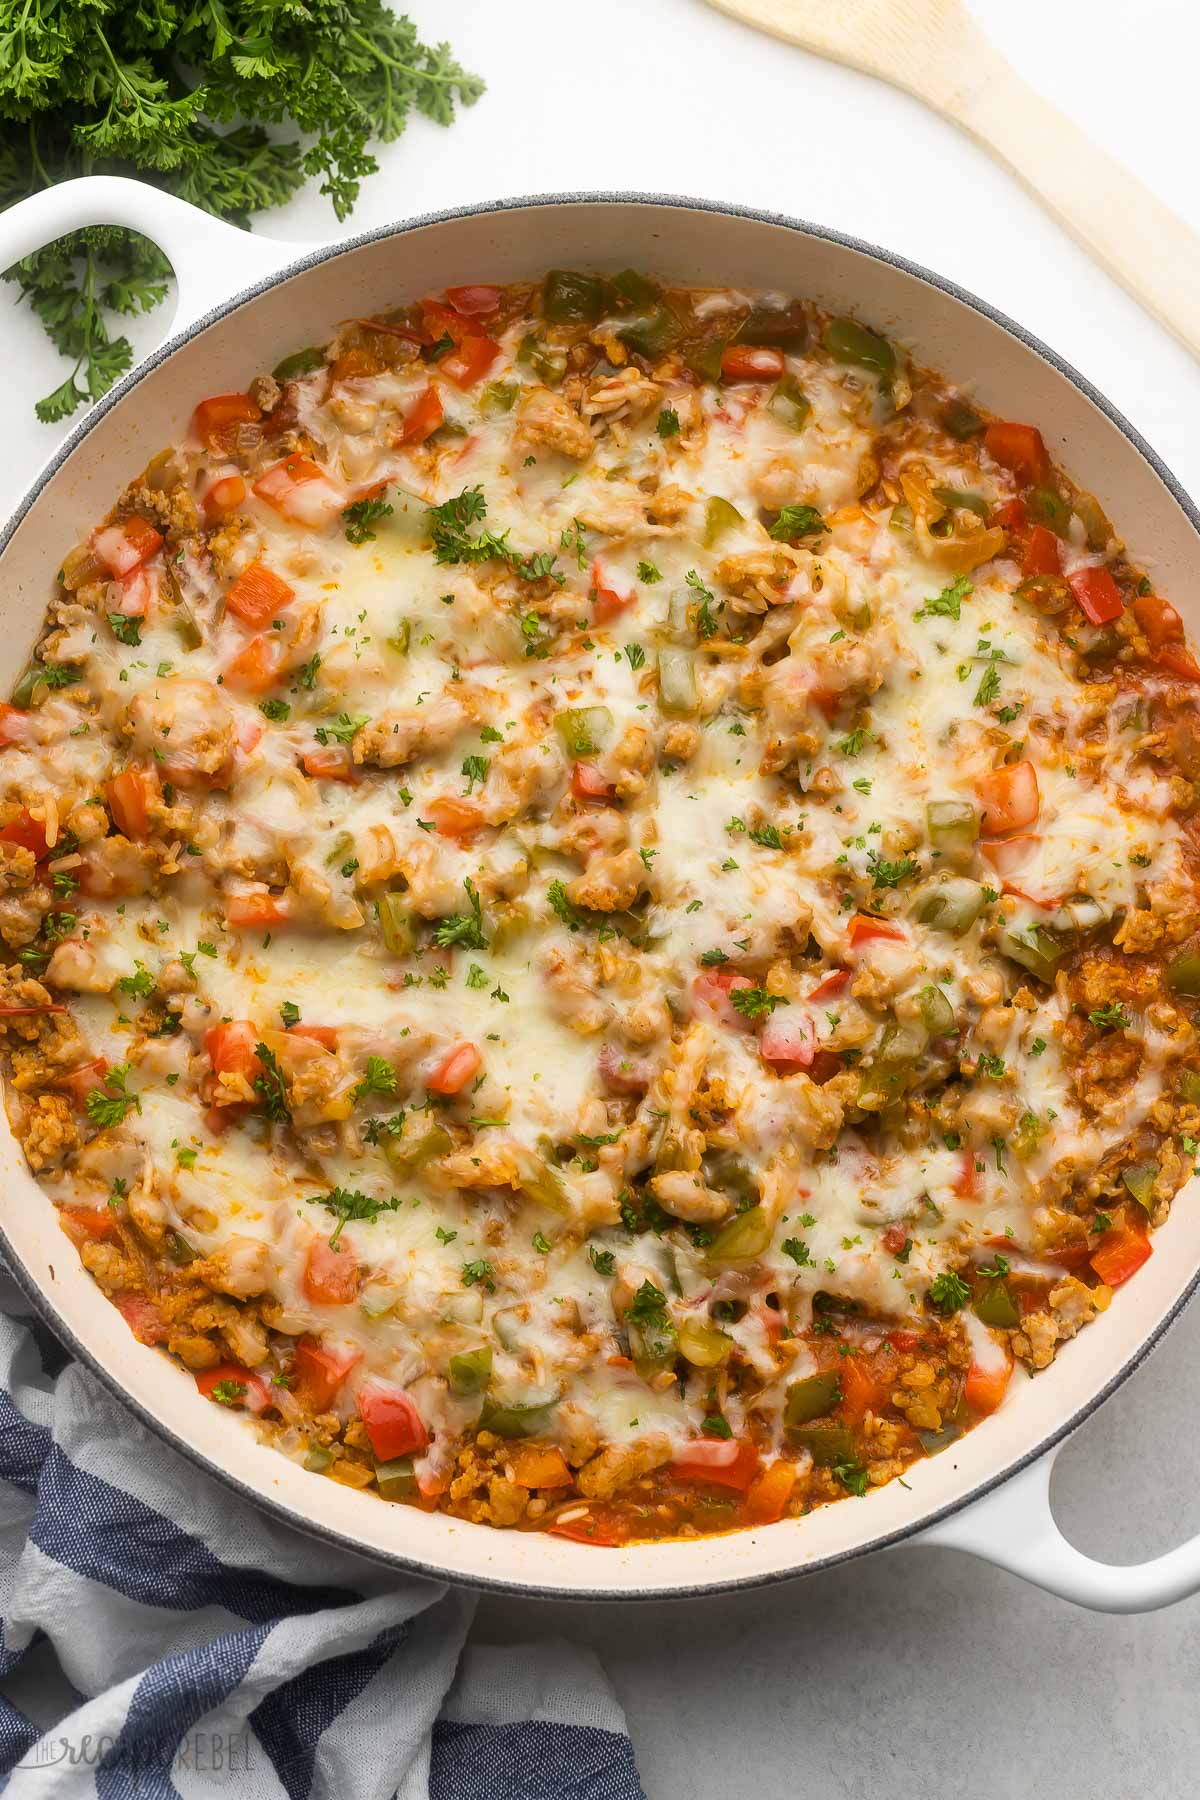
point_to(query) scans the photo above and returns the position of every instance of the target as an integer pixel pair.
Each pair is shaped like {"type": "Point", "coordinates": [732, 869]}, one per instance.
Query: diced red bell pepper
{"type": "Point", "coordinates": [300, 490]}
{"type": "Point", "coordinates": [587, 783]}
{"type": "Point", "coordinates": [143, 1317]}
{"type": "Point", "coordinates": [1177, 660]}
{"type": "Point", "coordinates": [1042, 555]}
{"type": "Point", "coordinates": [469, 361]}
{"type": "Point", "coordinates": [1010, 798]}
{"type": "Point", "coordinates": [474, 302]}
{"type": "Point", "coordinates": [985, 1388]}
{"type": "Point", "coordinates": [231, 1049]}
{"type": "Point", "coordinates": [966, 1182]}
{"type": "Point", "coordinates": [239, 1387]}
{"type": "Point", "coordinates": [860, 1392]}
{"type": "Point", "coordinates": [249, 911]}
{"type": "Point", "coordinates": [833, 984]}
{"type": "Point", "coordinates": [325, 1035]}
{"type": "Point", "coordinates": [329, 762]}
{"type": "Point", "coordinates": [127, 796]}
{"type": "Point", "coordinates": [1158, 619]}
{"type": "Point", "coordinates": [770, 1492]}
{"type": "Point", "coordinates": [423, 417]}
{"type": "Point", "coordinates": [28, 832]}
{"type": "Point", "coordinates": [217, 419]}
{"type": "Point", "coordinates": [789, 1038]}
{"type": "Point", "coordinates": [1013, 515]}
{"type": "Point", "coordinates": [1122, 1250]}
{"type": "Point", "coordinates": [608, 597]}
{"type": "Point", "coordinates": [863, 929]}
{"type": "Point", "coordinates": [16, 726]}
{"type": "Point", "coordinates": [319, 1372]}
{"type": "Point", "coordinates": [710, 993]}
{"type": "Point", "coordinates": [258, 595]}
{"type": "Point", "coordinates": [456, 818]}
{"type": "Point", "coordinates": [1098, 595]}
{"type": "Point", "coordinates": [331, 1275]}
{"type": "Point", "coordinates": [461, 1063]}
{"type": "Point", "coordinates": [89, 1224]}
{"type": "Point", "coordinates": [894, 1239]}
{"type": "Point", "coordinates": [718, 1462]}
{"type": "Point", "coordinates": [1020, 450]}
{"type": "Point", "coordinates": [125, 547]}
{"type": "Point", "coordinates": [256, 668]}
{"type": "Point", "coordinates": [747, 362]}
{"type": "Point", "coordinates": [394, 1425]}
{"type": "Point", "coordinates": [223, 498]}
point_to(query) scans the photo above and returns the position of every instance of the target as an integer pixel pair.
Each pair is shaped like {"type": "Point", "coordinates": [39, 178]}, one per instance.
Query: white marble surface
{"type": "Point", "coordinates": [919, 1672]}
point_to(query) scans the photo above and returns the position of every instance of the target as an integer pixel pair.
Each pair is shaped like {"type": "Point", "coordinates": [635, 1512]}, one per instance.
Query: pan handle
{"type": "Point", "coordinates": [211, 260]}
{"type": "Point", "coordinates": [1013, 1527]}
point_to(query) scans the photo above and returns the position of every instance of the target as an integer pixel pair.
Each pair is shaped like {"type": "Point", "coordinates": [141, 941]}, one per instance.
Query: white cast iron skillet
{"type": "Point", "coordinates": [989, 1493]}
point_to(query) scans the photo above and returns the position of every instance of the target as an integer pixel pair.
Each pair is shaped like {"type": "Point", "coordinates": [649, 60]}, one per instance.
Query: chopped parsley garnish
{"type": "Point", "coordinates": [889, 874]}
{"type": "Point", "coordinates": [754, 1002]}
{"type": "Point", "coordinates": [715, 1426]}
{"type": "Point", "coordinates": [649, 1307]}
{"type": "Point", "coordinates": [853, 1477]}
{"type": "Point", "coordinates": [270, 1087]}
{"type": "Point", "coordinates": [128, 630]}
{"type": "Point", "coordinates": [556, 894]}
{"type": "Point", "coordinates": [289, 1012]}
{"type": "Point", "coordinates": [443, 1236]}
{"type": "Point", "coordinates": [140, 984]}
{"type": "Point", "coordinates": [109, 1104]}
{"type": "Point", "coordinates": [1112, 1017]}
{"type": "Point", "coordinates": [228, 1393]}
{"type": "Point", "coordinates": [769, 836]}
{"type": "Point", "coordinates": [991, 1066]}
{"type": "Point", "coordinates": [710, 958]}
{"type": "Point", "coordinates": [541, 1243]}
{"type": "Point", "coordinates": [649, 573]}
{"type": "Point", "coordinates": [668, 423]}
{"type": "Point", "coordinates": [796, 522]}
{"type": "Point", "coordinates": [947, 604]}
{"type": "Point", "coordinates": [948, 1293]}
{"type": "Point", "coordinates": [343, 730]}
{"type": "Point", "coordinates": [475, 769]}
{"type": "Point", "coordinates": [636, 656]}
{"type": "Point", "coordinates": [350, 1204]}
{"type": "Point", "coordinates": [852, 745]}
{"type": "Point", "coordinates": [463, 929]}
{"type": "Point", "coordinates": [361, 516]}
{"type": "Point", "coordinates": [603, 1261]}
{"type": "Point", "coordinates": [479, 1274]}
{"type": "Point", "coordinates": [275, 710]}
{"type": "Point", "coordinates": [798, 1250]}
{"type": "Point", "coordinates": [989, 687]}
{"type": "Point", "coordinates": [380, 1078]}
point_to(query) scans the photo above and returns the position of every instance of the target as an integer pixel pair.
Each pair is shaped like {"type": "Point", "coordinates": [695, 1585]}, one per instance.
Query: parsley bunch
{"type": "Point", "coordinates": [181, 94]}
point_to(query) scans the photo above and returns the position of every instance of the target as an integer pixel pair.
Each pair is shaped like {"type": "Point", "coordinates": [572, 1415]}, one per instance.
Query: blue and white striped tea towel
{"type": "Point", "coordinates": [160, 1638]}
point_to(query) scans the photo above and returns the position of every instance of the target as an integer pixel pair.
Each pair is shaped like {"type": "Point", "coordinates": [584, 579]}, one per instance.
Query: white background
{"type": "Point", "coordinates": [918, 1673]}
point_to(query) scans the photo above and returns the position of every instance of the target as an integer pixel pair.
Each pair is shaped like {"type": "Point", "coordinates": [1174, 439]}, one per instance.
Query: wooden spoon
{"type": "Point", "coordinates": [935, 50]}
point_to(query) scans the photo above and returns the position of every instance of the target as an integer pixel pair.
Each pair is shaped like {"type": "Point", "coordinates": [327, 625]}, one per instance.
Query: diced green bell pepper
{"type": "Point", "coordinates": [653, 1343]}
{"type": "Point", "coordinates": [947, 902]}
{"type": "Point", "coordinates": [649, 334]}
{"type": "Point", "coordinates": [498, 398]}
{"type": "Point", "coordinates": [703, 1345]}
{"type": "Point", "coordinates": [961, 420]}
{"type": "Point", "coordinates": [962, 500]}
{"type": "Point", "coordinates": [406, 1155]}
{"type": "Point", "coordinates": [470, 1371]}
{"type": "Point", "coordinates": [811, 1398]}
{"type": "Point", "coordinates": [396, 1480]}
{"type": "Point", "coordinates": [937, 1014]}
{"type": "Point", "coordinates": [851, 343]}
{"type": "Point", "coordinates": [1189, 1087]}
{"type": "Point", "coordinates": [743, 1238]}
{"type": "Point", "coordinates": [1182, 973]}
{"type": "Point", "coordinates": [584, 729]}
{"type": "Point", "coordinates": [953, 826]}
{"type": "Point", "coordinates": [720, 516]}
{"type": "Point", "coordinates": [300, 362]}
{"type": "Point", "coordinates": [396, 925]}
{"type": "Point", "coordinates": [783, 327]}
{"type": "Point", "coordinates": [1027, 1135]}
{"type": "Point", "coordinates": [995, 1305]}
{"type": "Point", "coordinates": [181, 1251]}
{"type": "Point", "coordinates": [1049, 508]}
{"type": "Point", "coordinates": [790, 405]}
{"type": "Point", "coordinates": [514, 1419]}
{"type": "Point", "coordinates": [677, 692]}
{"type": "Point", "coordinates": [318, 1459]}
{"type": "Point", "coordinates": [546, 360]}
{"type": "Point", "coordinates": [828, 1445]}
{"type": "Point", "coordinates": [570, 298]}
{"type": "Point", "coordinates": [1140, 1180]}
{"type": "Point", "coordinates": [1037, 950]}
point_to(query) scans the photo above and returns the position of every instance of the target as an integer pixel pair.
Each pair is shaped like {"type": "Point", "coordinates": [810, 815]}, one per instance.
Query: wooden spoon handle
{"type": "Point", "coordinates": [1128, 229]}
